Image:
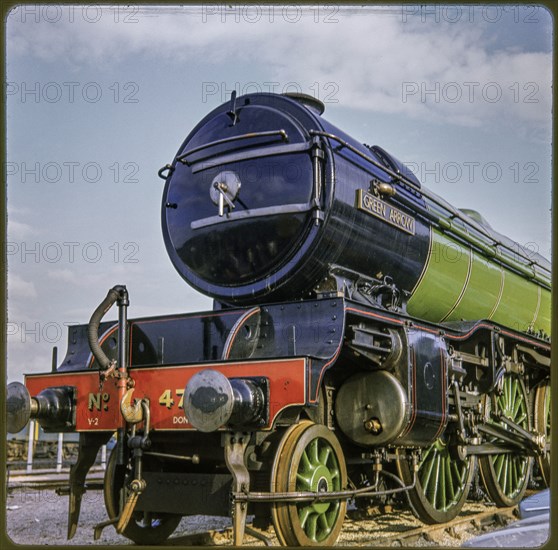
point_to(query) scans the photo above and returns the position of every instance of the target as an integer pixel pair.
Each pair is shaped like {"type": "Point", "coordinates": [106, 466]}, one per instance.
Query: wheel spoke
{"type": "Point", "coordinates": [458, 474]}
{"type": "Point", "coordinates": [305, 481]}
{"type": "Point", "coordinates": [506, 463]}
{"type": "Point", "coordinates": [325, 453]}
{"type": "Point", "coordinates": [501, 402]}
{"type": "Point", "coordinates": [442, 467]}
{"type": "Point", "coordinates": [506, 397]}
{"type": "Point", "coordinates": [436, 479]}
{"type": "Point", "coordinates": [303, 515]}
{"type": "Point", "coordinates": [449, 478]}
{"type": "Point", "coordinates": [498, 464]}
{"type": "Point", "coordinates": [325, 527]}
{"type": "Point", "coordinates": [314, 452]}
{"type": "Point", "coordinates": [311, 527]}
{"type": "Point", "coordinates": [425, 478]}
{"type": "Point", "coordinates": [518, 405]}
{"type": "Point", "coordinates": [514, 473]}
{"type": "Point", "coordinates": [305, 463]}
{"type": "Point", "coordinates": [332, 511]}
{"type": "Point", "coordinates": [516, 400]}
{"type": "Point", "coordinates": [506, 475]}
{"type": "Point", "coordinates": [510, 394]}
{"type": "Point", "coordinates": [426, 454]}
{"type": "Point", "coordinates": [443, 483]}
{"type": "Point", "coordinates": [311, 454]}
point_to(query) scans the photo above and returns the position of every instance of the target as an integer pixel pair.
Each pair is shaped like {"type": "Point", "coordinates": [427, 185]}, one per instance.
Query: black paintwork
{"type": "Point", "coordinates": [313, 329]}
{"type": "Point", "coordinates": [282, 256]}
{"type": "Point", "coordinates": [309, 328]}
{"type": "Point", "coordinates": [208, 399]}
{"type": "Point", "coordinates": [206, 493]}
{"type": "Point", "coordinates": [425, 374]}
{"type": "Point", "coordinates": [79, 355]}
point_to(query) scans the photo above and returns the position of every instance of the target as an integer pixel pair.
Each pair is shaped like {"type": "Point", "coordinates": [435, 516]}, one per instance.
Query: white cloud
{"type": "Point", "coordinates": [20, 288]}
{"type": "Point", "coordinates": [18, 230]}
{"type": "Point", "coordinates": [63, 275]}
{"type": "Point", "coordinates": [380, 63]}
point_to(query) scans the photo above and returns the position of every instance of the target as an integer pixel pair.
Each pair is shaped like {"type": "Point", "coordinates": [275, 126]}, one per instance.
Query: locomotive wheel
{"type": "Point", "coordinates": [442, 483]}
{"type": "Point", "coordinates": [143, 528]}
{"type": "Point", "coordinates": [542, 425]}
{"type": "Point", "coordinates": [309, 458]}
{"type": "Point", "coordinates": [506, 475]}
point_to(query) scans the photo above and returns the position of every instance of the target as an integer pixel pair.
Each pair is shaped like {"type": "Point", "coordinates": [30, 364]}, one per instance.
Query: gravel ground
{"type": "Point", "coordinates": [39, 517]}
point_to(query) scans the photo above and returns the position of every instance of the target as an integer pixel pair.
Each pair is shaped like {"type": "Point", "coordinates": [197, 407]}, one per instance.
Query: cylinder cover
{"type": "Point", "coordinates": [372, 408]}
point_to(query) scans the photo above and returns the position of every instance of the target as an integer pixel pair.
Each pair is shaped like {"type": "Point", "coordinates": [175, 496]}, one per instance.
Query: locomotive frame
{"type": "Point", "coordinates": [332, 376]}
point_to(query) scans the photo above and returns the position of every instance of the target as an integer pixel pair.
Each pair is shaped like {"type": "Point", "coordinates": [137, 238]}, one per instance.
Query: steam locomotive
{"type": "Point", "coordinates": [367, 339]}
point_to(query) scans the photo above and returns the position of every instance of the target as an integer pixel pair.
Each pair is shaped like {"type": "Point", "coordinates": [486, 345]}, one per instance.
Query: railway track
{"type": "Point", "coordinates": [49, 479]}
{"type": "Point", "coordinates": [455, 529]}
{"type": "Point", "coordinates": [395, 529]}
{"type": "Point", "coordinates": [385, 526]}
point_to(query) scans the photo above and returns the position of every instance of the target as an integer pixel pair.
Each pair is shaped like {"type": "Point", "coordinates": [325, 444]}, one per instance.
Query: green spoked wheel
{"type": "Point", "coordinates": [442, 484]}
{"type": "Point", "coordinates": [143, 528]}
{"type": "Point", "coordinates": [542, 425]}
{"type": "Point", "coordinates": [506, 475]}
{"type": "Point", "coordinates": [309, 458]}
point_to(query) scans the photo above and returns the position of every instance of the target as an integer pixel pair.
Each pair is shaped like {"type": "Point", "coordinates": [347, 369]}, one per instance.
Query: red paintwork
{"type": "Point", "coordinates": [287, 386]}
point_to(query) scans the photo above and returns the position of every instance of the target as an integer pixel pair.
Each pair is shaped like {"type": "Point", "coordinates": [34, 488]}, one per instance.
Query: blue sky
{"type": "Point", "coordinates": [98, 100]}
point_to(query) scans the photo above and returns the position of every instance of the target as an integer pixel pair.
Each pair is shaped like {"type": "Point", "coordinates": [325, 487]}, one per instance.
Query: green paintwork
{"type": "Point", "coordinates": [481, 295]}
{"type": "Point", "coordinates": [511, 469]}
{"type": "Point", "coordinates": [443, 280]}
{"type": "Point", "coordinates": [543, 317]}
{"type": "Point", "coordinates": [318, 471]}
{"type": "Point", "coordinates": [461, 284]}
{"type": "Point", "coordinates": [443, 478]}
{"type": "Point", "coordinates": [518, 305]}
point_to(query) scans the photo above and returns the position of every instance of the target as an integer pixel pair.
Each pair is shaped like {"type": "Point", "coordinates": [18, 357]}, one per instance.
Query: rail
{"type": "Point", "coordinates": [30, 462]}
{"type": "Point", "coordinates": [365, 531]}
